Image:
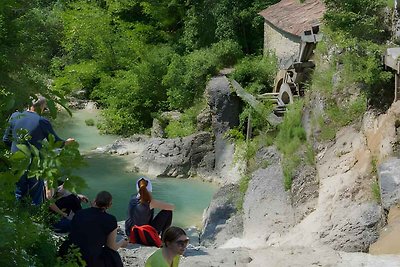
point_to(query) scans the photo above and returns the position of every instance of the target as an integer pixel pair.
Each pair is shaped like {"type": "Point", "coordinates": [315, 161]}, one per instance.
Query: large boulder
{"type": "Point", "coordinates": [267, 207]}
{"type": "Point", "coordinates": [221, 222]}
{"type": "Point", "coordinates": [389, 178]}
{"type": "Point", "coordinates": [224, 105]}
{"type": "Point", "coordinates": [178, 157]}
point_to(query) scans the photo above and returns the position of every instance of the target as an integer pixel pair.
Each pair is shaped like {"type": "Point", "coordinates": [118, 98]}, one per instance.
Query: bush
{"type": "Point", "coordinates": [361, 19]}
{"type": "Point", "coordinates": [290, 138]}
{"type": "Point", "coordinates": [187, 124]}
{"type": "Point", "coordinates": [187, 76]}
{"type": "Point", "coordinates": [227, 53]}
{"type": "Point", "coordinates": [89, 122]}
{"type": "Point", "coordinates": [243, 185]}
{"type": "Point", "coordinates": [256, 74]}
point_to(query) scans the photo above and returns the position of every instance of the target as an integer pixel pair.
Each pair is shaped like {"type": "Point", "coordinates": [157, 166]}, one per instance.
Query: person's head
{"type": "Point", "coordinates": [144, 187]}
{"type": "Point", "coordinates": [39, 104]}
{"type": "Point", "coordinates": [103, 200]}
{"type": "Point", "coordinates": [175, 240]}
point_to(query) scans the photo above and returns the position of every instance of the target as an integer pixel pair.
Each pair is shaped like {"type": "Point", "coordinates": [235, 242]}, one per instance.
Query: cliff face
{"type": "Point", "coordinates": [328, 217]}
{"type": "Point", "coordinates": [344, 215]}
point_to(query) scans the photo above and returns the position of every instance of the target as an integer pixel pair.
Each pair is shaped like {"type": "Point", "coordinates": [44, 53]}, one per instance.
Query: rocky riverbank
{"type": "Point", "coordinates": [328, 218]}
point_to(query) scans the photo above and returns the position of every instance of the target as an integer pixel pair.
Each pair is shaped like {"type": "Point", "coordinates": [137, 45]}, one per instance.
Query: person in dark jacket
{"type": "Point", "coordinates": [36, 128]}
{"type": "Point", "coordinates": [94, 232]}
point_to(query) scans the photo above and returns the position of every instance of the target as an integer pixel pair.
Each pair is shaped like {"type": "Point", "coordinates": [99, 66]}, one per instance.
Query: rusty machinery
{"type": "Point", "coordinates": [290, 79]}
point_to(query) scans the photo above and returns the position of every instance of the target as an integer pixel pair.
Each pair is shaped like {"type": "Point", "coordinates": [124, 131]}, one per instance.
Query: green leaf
{"type": "Point", "coordinates": [24, 149]}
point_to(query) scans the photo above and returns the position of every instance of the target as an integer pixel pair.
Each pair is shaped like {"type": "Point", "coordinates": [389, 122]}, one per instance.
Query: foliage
{"type": "Point", "coordinates": [89, 122]}
{"type": "Point", "coordinates": [291, 136]}
{"type": "Point", "coordinates": [339, 116]}
{"type": "Point", "coordinates": [186, 77]}
{"type": "Point", "coordinates": [140, 57]}
{"type": "Point", "coordinates": [376, 191]}
{"type": "Point", "coordinates": [29, 38]}
{"type": "Point", "coordinates": [243, 185]}
{"type": "Point", "coordinates": [187, 123]}
{"type": "Point", "coordinates": [258, 117]}
{"type": "Point", "coordinates": [207, 22]}
{"type": "Point", "coordinates": [360, 19]}
{"type": "Point", "coordinates": [24, 228]}
{"type": "Point", "coordinates": [256, 74]}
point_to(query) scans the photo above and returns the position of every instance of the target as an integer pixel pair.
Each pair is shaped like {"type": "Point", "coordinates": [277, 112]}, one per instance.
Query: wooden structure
{"type": "Point", "coordinates": [286, 21]}
{"type": "Point", "coordinates": [392, 60]}
{"type": "Point", "coordinates": [289, 82]}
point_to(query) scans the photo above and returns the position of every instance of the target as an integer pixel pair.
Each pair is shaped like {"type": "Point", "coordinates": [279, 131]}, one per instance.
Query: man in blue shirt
{"type": "Point", "coordinates": [30, 127]}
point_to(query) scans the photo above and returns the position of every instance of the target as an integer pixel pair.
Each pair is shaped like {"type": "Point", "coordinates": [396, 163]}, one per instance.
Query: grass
{"type": "Point", "coordinates": [187, 124]}
{"type": "Point", "coordinates": [289, 140]}
{"type": "Point", "coordinates": [243, 185]}
{"type": "Point", "coordinates": [376, 191]}
{"type": "Point", "coordinates": [375, 188]}
{"type": "Point", "coordinates": [390, 3]}
{"type": "Point", "coordinates": [340, 116]}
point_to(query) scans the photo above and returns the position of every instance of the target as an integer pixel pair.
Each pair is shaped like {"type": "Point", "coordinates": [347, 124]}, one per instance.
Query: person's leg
{"type": "Point", "coordinates": [162, 221]}
{"type": "Point", "coordinates": [36, 191]}
{"type": "Point", "coordinates": [62, 226]}
{"type": "Point", "coordinates": [21, 187]}
{"type": "Point", "coordinates": [110, 258]}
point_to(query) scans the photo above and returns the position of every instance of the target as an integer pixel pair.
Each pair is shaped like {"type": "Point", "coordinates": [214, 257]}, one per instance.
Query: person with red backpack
{"type": "Point", "coordinates": [141, 226]}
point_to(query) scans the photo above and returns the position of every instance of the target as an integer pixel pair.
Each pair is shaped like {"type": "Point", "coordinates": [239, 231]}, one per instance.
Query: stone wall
{"type": "Point", "coordinates": [283, 44]}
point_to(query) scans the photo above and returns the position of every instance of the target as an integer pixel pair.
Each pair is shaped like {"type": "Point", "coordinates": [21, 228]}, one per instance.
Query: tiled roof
{"type": "Point", "coordinates": [295, 17]}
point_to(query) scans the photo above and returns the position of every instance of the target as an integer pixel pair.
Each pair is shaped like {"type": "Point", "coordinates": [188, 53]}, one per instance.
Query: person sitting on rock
{"type": "Point", "coordinates": [141, 209]}
{"type": "Point", "coordinates": [66, 204]}
{"type": "Point", "coordinates": [94, 232]}
{"type": "Point", "coordinates": [175, 242]}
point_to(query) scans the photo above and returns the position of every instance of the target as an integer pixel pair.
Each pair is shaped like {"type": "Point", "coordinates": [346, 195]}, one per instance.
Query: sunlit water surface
{"type": "Point", "coordinates": [109, 172]}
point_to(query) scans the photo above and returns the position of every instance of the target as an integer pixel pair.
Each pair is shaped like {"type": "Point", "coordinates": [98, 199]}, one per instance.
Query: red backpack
{"type": "Point", "coordinates": [145, 235]}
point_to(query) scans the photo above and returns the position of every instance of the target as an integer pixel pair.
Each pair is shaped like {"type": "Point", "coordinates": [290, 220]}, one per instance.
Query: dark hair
{"type": "Point", "coordinates": [172, 234]}
{"type": "Point", "coordinates": [103, 199]}
{"type": "Point", "coordinates": [145, 196]}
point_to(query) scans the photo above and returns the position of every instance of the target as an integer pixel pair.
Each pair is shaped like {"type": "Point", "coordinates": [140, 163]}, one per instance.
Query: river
{"type": "Point", "coordinates": [109, 172]}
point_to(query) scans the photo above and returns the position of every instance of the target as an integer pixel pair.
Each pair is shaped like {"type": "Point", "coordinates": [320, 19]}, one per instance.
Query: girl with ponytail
{"type": "Point", "coordinates": [141, 209]}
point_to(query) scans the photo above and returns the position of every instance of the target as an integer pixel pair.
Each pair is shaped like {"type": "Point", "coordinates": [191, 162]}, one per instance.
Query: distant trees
{"type": "Point", "coordinates": [138, 58]}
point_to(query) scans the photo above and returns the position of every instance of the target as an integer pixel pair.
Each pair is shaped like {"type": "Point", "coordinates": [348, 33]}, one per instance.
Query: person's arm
{"type": "Point", "coordinates": [83, 198]}
{"type": "Point", "coordinates": [161, 205]}
{"type": "Point", "coordinates": [48, 129]}
{"type": "Point", "coordinates": [111, 241]}
{"type": "Point", "coordinates": [7, 134]}
{"type": "Point", "coordinates": [57, 210]}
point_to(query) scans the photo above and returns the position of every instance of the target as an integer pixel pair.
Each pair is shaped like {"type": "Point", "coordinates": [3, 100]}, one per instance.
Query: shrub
{"type": "Point", "coordinates": [291, 136]}
{"type": "Point", "coordinates": [89, 122]}
{"type": "Point", "coordinates": [243, 185]}
{"type": "Point", "coordinates": [186, 77]}
{"type": "Point", "coordinates": [227, 52]}
{"type": "Point", "coordinates": [361, 19]}
{"type": "Point", "coordinates": [256, 74]}
{"type": "Point", "coordinates": [187, 124]}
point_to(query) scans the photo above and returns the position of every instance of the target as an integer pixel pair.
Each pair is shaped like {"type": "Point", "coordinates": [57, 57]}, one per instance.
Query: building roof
{"type": "Point", "coordinates": [294, 17]}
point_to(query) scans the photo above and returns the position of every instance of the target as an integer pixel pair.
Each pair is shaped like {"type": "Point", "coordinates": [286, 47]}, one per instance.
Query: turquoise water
{"type": "Point", "coordinates": [108, 172]}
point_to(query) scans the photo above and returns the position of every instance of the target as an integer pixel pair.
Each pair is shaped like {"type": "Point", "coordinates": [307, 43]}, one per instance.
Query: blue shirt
{"type": "Point", "coordinates": [36, 126]}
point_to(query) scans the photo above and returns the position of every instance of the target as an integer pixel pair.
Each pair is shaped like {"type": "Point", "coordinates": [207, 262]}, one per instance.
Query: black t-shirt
{"type": "Point", "coordinates": [89, 230]}
{"type": "Point", "coordinates": [69, 203]}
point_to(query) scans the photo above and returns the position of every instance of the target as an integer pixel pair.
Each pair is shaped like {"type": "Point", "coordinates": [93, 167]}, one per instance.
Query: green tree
{"type": "Point", "coordinates": [360, 19]}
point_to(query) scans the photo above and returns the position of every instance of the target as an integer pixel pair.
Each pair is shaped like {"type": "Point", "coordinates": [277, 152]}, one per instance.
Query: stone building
{"type": "Point", "coordinates": [284, 23]}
